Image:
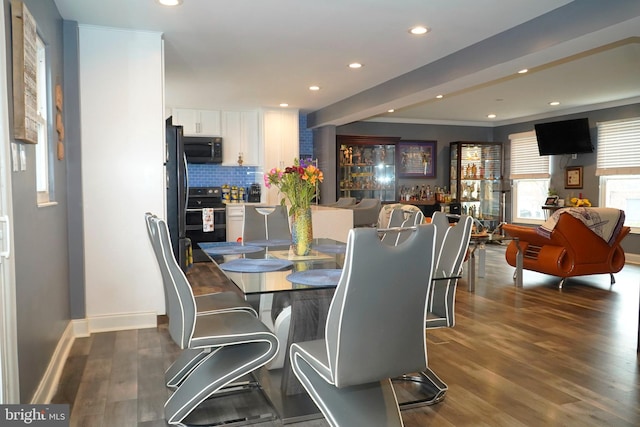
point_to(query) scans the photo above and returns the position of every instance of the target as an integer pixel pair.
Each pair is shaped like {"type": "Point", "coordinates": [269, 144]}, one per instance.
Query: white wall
{"type": "Point", "coordinates": [121, 96]}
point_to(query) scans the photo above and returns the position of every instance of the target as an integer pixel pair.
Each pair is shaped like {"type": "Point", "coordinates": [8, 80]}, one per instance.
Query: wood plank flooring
{"type": "Point", "coordinates": [536, 356]}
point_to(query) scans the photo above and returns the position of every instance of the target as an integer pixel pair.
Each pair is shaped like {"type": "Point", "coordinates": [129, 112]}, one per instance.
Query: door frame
{"type": "Point", "coordinates": [9, 377]}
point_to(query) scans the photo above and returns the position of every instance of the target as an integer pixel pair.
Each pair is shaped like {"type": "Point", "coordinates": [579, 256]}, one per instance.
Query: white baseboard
{"type": "Point", "coordinates": [121, 322]}
{"type": "Point", "coordinates": [49, 383]}
{"type": "Point", "coordinates": [83, 328]}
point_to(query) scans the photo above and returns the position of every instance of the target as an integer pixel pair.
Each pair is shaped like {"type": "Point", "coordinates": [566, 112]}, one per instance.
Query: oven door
{"type": "Point", "coordinates": [195, 229]}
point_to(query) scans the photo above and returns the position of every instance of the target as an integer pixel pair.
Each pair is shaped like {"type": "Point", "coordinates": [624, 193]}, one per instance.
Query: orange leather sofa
{"type": "Point", "coordinates": [572, 250]}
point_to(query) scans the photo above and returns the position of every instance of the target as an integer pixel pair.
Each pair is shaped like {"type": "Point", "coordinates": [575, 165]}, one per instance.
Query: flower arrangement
{"type": "Point", "coordinates": [298, 183]}
{"type": "Point", "coordinates": [576, 201]}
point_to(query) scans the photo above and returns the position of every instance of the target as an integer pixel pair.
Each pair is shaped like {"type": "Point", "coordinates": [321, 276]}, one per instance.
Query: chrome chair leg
{"type": "Point", "coordinates": [432, 389]}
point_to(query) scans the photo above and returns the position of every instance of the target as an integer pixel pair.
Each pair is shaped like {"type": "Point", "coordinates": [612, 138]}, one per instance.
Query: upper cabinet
{"type": "Point", "coordinates": [281, 144]}
{"type": "Point", "coordinates": [241, 138]}
{"type": "Point", "coordinates": [198, 122]}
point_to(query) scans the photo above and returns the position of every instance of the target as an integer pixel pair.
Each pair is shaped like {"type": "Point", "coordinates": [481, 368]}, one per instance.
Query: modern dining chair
{"type": "Point", "coordinates": [452, 242]}
{"type": "Point", "coordinates": [265, 223]}
{"type": "Point", "coordinates": [451, 255]}
{"type": "Point", "coordinates": [399, 221]}
{"type": "Point", "coordinates": [374, 330]}
{"type": "Point", "coordinates": [217, 348]}
{"type": "Point", "coordinates": [216, 302]}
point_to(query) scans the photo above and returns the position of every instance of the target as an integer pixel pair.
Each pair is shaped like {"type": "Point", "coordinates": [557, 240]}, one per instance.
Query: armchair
{"type": "Point", "coordinates": [343, 202]}
{"type": "Point", "coordinates": [365, 213]}
{"type": "Point", "coordinates": [570, 247]}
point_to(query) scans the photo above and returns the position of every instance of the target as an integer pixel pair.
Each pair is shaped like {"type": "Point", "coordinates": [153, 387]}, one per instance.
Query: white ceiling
{"type": "Point", "coordinates": [247, 54]}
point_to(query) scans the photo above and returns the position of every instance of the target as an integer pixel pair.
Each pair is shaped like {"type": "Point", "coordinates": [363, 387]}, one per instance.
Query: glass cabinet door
{"type": "Point", "coordinates": [475, 179]}
{"type": "Point", "coordinates": [366, 168]}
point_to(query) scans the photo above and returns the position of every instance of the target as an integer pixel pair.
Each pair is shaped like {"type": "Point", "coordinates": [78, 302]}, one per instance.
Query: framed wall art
{"type": "Point", "coordinates": [416, 159]}
{"type": "Point", "coordinates": [25, 70]}
{"type": "Point", "coordinates": [573, 177]}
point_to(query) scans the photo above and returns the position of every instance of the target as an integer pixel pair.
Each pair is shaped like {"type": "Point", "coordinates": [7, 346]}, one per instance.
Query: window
{"type": "Point", "coordinates": [618, 165]}
{"type": "Point", "coordinates": [530, 175]}
{"type": "Point", "coordinates": [43, 186]}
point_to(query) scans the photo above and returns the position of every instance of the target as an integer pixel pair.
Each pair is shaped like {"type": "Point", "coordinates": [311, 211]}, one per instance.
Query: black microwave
{"type": "Point", "coordinates": [198, 149]}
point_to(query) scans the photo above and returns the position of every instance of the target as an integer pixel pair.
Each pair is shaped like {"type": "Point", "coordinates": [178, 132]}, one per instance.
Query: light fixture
{"type": "Point", "coordinates": [492, 116]}
{"type": "Point", "coordinates": [355, 65]}
{"type": "Point", "coordinates": [314, 87]}
{"type": "Point", "coordinates": [439, 96]}
{"type": "Point", "coordinates": [169, 2]}
{"type": "Point", "coordinates": [554, 103]}
{"type": "Point", "coordinates": [390, 110]}
{"type": "Point", "coordinates": [284, 104]}
{"type": "Point", "coordinates": [419, 30]}
{"type": "Point", "coordinates": [524, 70]}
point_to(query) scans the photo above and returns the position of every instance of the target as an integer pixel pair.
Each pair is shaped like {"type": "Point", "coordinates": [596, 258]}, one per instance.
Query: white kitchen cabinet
{"type": "Point", "coordinates": [241, 134]}
{"type": "Point", "coordinates": [198, 122]}
{"type": "Point", "coordinates": [281, 144]}
{"type": "Point", "coordinates": [235, 218]}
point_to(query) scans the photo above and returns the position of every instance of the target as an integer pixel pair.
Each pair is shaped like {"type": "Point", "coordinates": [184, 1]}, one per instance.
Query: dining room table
{"type": "Point", "coordinates": [305, 282]}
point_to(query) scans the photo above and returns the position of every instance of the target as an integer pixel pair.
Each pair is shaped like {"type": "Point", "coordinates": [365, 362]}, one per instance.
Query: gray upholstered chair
{"type": "Point", "coordinates": [216, 302]}
{"type": "Point", "coordinates": [374, 330]}
{"type": "Point", "coordinates": [451, 255]}
{"type": "Point", "coordinates": [451, 247]}
{"type": "Point", "coordinates": [265, 223]}
{"type": "Point", "coordinates": [399, 220]}
{"type": "Point", "coordinates": [365, 213]}
{"type": "Point", "coordinates": [217, 348]}
{"type": "Point", "coordinates": [343, 202]}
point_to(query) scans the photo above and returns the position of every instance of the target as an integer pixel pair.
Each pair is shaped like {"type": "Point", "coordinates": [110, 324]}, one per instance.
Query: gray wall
{"type": "Point", "coordinates": [74, 169]}
{"type": "Point", "coordinates": [42, 272]}
{"type": "Point", "coordinates": [591, 187]}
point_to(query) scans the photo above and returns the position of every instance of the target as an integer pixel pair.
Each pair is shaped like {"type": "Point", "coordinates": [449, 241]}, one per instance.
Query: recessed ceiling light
{"type": "Point", "coordinates": [491, 116]}
{"type": "Point", "coordinates": [314, 87]}
{"type": "Point", "coordinates": [419, 30]}
{"type": "Point", "coordinates": [170, 2]}
{"type": "Point", "coordinates": [390, 110]}
{"type": "Point", "coordinates": [439, 96]}
{"type": "Point", "coordinates": [355, 65]}
{"type": "Point", "coordinates": [524, 70]}
{"type": "Point", "coordinates": [554, 103]}
{"type": "Point", "coordinates": [284, 104]}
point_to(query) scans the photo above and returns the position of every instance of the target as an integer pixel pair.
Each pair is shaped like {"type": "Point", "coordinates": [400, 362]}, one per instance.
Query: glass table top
{"type": "Point", "coordinates": [325, 254]}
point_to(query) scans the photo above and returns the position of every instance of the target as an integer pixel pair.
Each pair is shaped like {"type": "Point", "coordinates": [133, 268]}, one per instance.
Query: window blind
{"type": "Point", "coordinates": [618, 147]}
{"type": "Point", "coordinates": [526, 162]}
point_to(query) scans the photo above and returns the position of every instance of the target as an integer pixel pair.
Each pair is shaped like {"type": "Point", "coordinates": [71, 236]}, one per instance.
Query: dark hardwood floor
{"type": "Point", "coordinates": [536, 356]}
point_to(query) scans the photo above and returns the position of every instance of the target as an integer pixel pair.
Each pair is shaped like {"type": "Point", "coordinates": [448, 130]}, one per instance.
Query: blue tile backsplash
{"type": "Point", "coordinates": [208, 175]}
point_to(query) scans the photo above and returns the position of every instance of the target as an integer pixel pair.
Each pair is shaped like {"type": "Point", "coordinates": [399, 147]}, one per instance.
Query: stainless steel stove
{"type": "Point", "coordinates": [200, 198]}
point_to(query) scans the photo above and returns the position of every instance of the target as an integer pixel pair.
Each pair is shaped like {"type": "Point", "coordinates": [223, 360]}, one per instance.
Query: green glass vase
{"type": "Point", "coordinates": [301, 231]}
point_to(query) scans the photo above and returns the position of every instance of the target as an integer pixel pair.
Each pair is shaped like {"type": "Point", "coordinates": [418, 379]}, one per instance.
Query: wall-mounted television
{"type": "Point", "coordinates": [564, 137]}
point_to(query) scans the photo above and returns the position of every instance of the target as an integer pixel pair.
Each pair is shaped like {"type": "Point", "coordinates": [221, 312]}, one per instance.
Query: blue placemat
{"type": "Point", "coordinates": [228, 248]}
{"type": "Point", "coordinates": [331, 249]}
{"type": "Point", "coordinates": [270, 242]}
{"type": "Point", "coordinates": [319, 277]}
{"type": "Point", "coordinates": [247, 265]}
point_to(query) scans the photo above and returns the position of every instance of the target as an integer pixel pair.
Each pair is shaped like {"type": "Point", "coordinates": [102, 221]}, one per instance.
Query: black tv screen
{"type": "Point", "coordinates": [564, 137]}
